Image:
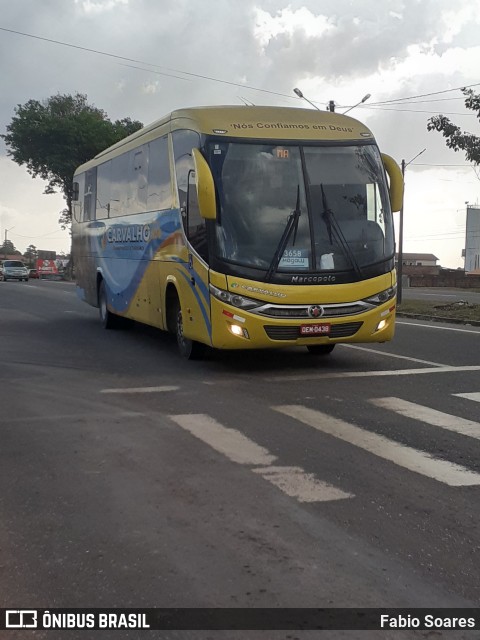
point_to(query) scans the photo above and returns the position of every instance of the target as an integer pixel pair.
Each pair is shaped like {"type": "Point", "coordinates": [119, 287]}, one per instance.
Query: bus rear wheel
{"type": "Point", "coordinates": [190, 349]}
{"type": "Point", "coordinates": [320, 349]}
{"type": "Point", "coordinates": [108, 319]}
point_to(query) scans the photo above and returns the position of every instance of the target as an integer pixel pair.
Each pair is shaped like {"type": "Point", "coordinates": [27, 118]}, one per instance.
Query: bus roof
{"type": "Point", "coordinates": [260, 123]}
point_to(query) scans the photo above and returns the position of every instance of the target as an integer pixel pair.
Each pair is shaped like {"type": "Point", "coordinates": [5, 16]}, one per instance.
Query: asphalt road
{"type": "Point", "coordinates": [440, 294]}
{"type": "Point", "coordinates": [132, 478]}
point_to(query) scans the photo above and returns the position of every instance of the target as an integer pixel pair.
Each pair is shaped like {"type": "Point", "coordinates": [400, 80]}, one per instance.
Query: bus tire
{"type": "Point", "coordinates": [320, 349]}
{"type": "Point", "coordinates": [190, 349]}
{"type": "Point", "coordinates": [108, 319]}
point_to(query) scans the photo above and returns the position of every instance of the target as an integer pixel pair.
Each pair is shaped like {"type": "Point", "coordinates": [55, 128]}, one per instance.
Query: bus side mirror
{"type": "Point", "coordinates": [75, 191]}
{"type": "Point", "coordinates": [207, 202]}
{"type": "Point", "coordinates": [396, 182]}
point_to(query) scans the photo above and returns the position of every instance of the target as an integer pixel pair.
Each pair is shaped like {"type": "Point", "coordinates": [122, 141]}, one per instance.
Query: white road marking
{"type": "Point", "coordinates": [412, 459]}
{"type": "Point", "coordinates": [293, 481]}
{"type": "Point", "coordinates": [367, 374]}
{"type": "Point", "coordinates": [440, 295]}
{"type": "Point", "coordinates": [141, 389]}
{"type": "Point", "coordinates": [392, 355]}
{"type": "Point", "coordinates": [469, 396]}
{"type": "Point", "coordinates": [304, 486]}
{"type": "Point", "coordinates": [430, 416]}
{"type": "Point", "coordinates": [74, 417]}
{"type": "Point", "coordinates": [230, 442]}
{"type": "Point", "coordinates": [430, 326]}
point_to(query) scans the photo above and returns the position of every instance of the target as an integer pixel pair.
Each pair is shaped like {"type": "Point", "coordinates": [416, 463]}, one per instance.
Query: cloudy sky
{"type": "Point", "coordinates": [143, 58]}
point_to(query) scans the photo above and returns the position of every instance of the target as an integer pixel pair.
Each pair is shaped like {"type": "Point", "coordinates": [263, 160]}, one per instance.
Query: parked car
{"type": "Point", "coordinates": [33, 273]}
{"type": "Point", "coordinates": [14, 270]}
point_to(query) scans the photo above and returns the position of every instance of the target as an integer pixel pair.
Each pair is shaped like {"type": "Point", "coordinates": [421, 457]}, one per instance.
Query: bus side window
{"type": "Point", "coordinates": [78, 197]}
{"type": "Point", "coordinates": [90, 194]}
{"type": "Point", "coordinates": [159, 181]}
{"type": "Point", "coordinates": [104, 181]}
{"type": "Point", "coordinates": [138, 176]}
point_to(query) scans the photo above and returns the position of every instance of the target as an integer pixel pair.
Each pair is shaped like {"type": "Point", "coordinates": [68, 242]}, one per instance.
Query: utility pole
{"type": "Point", "coordinates": [400, 233]}
{"type": "Point", "coordinates": [5, 241]}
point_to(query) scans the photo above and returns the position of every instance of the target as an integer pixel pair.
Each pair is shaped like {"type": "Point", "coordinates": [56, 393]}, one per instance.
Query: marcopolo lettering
{"type": "Point", "coordinates": [129, 233]}
{"type": "Point", "coordinates": [312, 279]}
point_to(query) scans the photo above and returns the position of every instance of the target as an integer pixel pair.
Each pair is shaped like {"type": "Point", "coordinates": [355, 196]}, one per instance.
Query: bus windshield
{"type": "Point", "coordinates": [337, 195]}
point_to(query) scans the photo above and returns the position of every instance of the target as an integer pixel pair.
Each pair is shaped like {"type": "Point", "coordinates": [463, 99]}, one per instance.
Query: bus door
{"type": "Point", "coordinates": [197, 267]}
{"type": "Point", "coordinates": [193, 278]}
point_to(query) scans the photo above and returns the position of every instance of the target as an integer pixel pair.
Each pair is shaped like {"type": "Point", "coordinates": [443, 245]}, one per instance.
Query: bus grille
{"type": "Point", "coordinates": [293, 332]}
{"type": "Point", "coordinates": [299, 311]}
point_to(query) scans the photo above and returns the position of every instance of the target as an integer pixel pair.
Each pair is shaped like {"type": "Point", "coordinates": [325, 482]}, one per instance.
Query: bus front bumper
{"type": "Point", "coordinates": [234, 328]}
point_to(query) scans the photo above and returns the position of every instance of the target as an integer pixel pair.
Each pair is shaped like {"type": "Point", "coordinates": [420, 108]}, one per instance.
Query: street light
{"type": "Point", "coordinates": [364, 99]}
{"type": "Point", "coordinates": [300, 95]}
{"type": "Point", "coordinates": [400, 233]}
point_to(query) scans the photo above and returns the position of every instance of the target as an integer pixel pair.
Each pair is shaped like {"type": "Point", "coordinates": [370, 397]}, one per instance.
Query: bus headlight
{"type": "Point", "coordinates": [383, 296]}
{"type": "Point", "coordinates": [241, 302]}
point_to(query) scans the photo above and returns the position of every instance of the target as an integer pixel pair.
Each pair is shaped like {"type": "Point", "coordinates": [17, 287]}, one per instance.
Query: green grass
{"type": "Point", "coordinates": [453, 310]}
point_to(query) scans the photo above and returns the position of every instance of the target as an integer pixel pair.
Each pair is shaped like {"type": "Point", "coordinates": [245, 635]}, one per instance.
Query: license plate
{"type": "Point", "coordinates": [319, 329]}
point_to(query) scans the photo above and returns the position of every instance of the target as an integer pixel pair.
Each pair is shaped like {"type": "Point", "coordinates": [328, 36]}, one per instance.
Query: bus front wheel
{"type": "Point", "coordinates": [189, 349]}
{"type": "Point", "coordinates": [320, 349]}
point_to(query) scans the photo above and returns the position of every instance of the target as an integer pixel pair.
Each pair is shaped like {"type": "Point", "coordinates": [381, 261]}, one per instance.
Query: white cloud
{"type": "Point", "coordinates": [100, 6]}
{"type": "Point", "coordinates": [151, 87]}
{"type": "Point", "coordinates": [287, 21]}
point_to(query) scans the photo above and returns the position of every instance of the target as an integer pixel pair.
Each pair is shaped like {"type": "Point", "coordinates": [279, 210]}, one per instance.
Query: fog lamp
{"type": "Point", "coordinates": [381, 325]}
{"type": "Point", "coordinates": [236, 330]}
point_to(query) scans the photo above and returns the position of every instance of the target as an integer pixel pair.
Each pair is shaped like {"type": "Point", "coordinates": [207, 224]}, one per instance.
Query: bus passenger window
{"type": "Point", "coordinates": [78, 197]}
{"type": "Point", "coordinates": [159, 195]}
{"type": "Point", "coordinates": [103, 190]}
{"type": "Point", "coordinates": [119, 186]}
{"type": "Point", "coordinates": [138, 180]}
{"type": "Point", "coordinates": [90, 195]}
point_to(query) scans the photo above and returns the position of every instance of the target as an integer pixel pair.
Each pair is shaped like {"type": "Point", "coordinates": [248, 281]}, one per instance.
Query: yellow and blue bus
{"type": "Point", "coordinates": [242, 227]}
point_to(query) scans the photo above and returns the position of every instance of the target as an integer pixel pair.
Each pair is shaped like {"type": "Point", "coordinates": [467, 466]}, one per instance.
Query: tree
{"type": "Point", "coordinates": [455, 138]}
{"type": "Point", "coordinates": [53, 137]}
{"type": "Point", "coordinates": [31, 254]}
{"type": "Point", "coordinates": [7, 248]}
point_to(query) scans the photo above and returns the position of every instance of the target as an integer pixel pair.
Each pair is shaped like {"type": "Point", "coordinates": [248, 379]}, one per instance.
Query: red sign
{"type": "Point", "coordinates": [45, 267]}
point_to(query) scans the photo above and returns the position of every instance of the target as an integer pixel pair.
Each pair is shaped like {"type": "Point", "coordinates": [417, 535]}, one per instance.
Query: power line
{"type": "Point", "coordinates": [425, 95]}
{"type": "Point", "coordinates": [425, 164]}
{"type": "Point", "coordinates": [117, 57]}
{"type": "Point", "coordinates": [18, 235]}
{"type": "Point", "coordinates": [429, 101]}
{"type": "Point", "coordinates": [376, 104]}
{"type": "Point", "coordinates": [446, 113]}
{"type": "Point", "coordinates": [228, 82]}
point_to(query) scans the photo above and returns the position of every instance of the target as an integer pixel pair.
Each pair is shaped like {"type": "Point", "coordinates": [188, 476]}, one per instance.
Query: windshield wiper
{"type": "Point", "coordinates": [334, 228]}
{"type": "Point", "coordinates": [292, 225]}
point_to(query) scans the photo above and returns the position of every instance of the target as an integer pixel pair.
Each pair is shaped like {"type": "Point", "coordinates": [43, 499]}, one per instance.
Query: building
{"type": "Point", "coordinates": [418, 260]}
{"type": "Point", "coordinates": [472, 240]}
